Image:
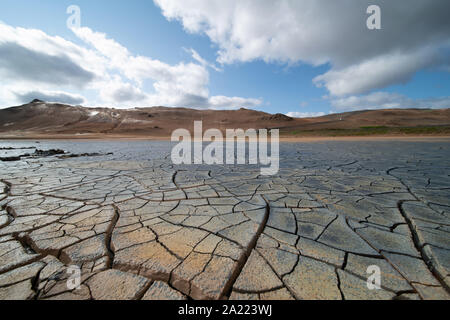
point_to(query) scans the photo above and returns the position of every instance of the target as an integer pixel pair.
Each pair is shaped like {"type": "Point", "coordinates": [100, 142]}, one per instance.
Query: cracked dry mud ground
{"type": "Point", "coordinates": [146, 229]}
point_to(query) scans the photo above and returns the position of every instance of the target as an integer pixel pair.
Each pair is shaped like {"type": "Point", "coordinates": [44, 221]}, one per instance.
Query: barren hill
{"type": "Point", "coordinates": [39, 118]}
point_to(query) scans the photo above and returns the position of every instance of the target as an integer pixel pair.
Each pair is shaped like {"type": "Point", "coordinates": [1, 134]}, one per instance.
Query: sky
{"type": "Point", "coordinates": [297, 57]}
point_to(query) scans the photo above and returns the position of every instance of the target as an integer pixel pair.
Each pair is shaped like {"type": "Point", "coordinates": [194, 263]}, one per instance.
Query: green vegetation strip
{"type": "Point", "coordinates": [376, 130]}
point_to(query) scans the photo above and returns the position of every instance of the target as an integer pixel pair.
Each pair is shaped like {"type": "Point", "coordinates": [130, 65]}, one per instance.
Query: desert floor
{"type": "Point", "coordinates": [140, 227]}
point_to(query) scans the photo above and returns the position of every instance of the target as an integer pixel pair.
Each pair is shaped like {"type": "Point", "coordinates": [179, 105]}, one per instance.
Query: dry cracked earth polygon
{"type": "Point", "coordinates": [151, 230]}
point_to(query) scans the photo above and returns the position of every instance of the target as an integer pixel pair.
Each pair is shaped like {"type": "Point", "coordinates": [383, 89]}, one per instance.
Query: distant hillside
{"type": "Point", "coordinates": [375, 122]}
{"type": "Point", "coordinates": [39, 118]}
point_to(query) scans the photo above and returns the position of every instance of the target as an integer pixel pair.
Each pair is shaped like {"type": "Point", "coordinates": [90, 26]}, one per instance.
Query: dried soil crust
{"type": "Point", "coordinates": [151, 230]}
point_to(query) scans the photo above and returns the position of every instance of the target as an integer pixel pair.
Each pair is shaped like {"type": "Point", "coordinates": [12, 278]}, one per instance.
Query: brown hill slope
{"type": "Point", "coordinates": [38, 117]}
{"type": "Point", "coordinates": [386, 117]}
{"type": "Point", "coordinates": [50, 119]}
{"type": "Point", "coordinates": [375, 122]}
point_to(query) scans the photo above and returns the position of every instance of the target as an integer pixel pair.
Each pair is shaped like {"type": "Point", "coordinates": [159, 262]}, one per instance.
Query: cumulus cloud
{"type": "Point", "coordinates": [196, 56]}
{"type": "Point", "coordinates": [295, 114]}
{"type": "Point", "coordinates": [50, 96]}
{"type": "Point", "coordinates": [19, 62]}
{"type": "Point", "coordinates": [222, 102]}
{"type": "Point", "coordinates": [181, 85]}
{"type": "Point", "coordinates": [387, 100]}
{"type": "Point", "coordinates": [123, 92]}
{"type": "Point", "coordinates": [55, 53]}
{"type": "Point", "coordinates": [174, 85]}
{"type": "Point", "coordinates": [32, 60]}
{"type": "Point", "coordinates": [414, 35]}
{"type": "Point", "coordinates": [375, 73]}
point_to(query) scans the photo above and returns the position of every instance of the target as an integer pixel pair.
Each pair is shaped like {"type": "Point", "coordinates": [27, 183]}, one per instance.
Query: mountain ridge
{"type": "Point", "coordinates": [43, 118]}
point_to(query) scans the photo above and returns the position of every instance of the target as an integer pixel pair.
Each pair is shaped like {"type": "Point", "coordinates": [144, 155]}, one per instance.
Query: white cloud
{"type": "Point", "coordinates": [50, 96]}
{"type": "Point", "coordinates": [196, 56]}
{"type": "Point", "coordinates": [36, 64]}
{"type": "Point", "coordinates": [19, 62]}
{"type": "Point", "coordinates": [387, 100]}
{"type": "Point", "coordinates": [324, 32]}
{"type": "Point", "coordinates": [295, 114]}
{"type": "Point", "coordinates": [375, 73]}
{"type": "Point", "coordinates": [121, 93]}
{"type": "Point", "coordinates": [181, 85]}
{"type": "Point", "coordinates": [174, 85]}
{"type": "Point", "coordinates": [222, 102]}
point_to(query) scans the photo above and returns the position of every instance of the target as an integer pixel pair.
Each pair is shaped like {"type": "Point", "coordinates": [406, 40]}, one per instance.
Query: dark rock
{"type": "Point", "coordinates": [10, 158]}
{"type": "Point", "coordinates": [95, 154]}
{"type": "Point", "coordinates": [48, 153]}
{"type": "Point", "coordinates": [12, 148]}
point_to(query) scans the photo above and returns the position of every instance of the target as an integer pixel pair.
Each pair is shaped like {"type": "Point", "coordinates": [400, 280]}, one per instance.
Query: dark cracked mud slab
{"type": "Point", "coordinates": [141, 228]}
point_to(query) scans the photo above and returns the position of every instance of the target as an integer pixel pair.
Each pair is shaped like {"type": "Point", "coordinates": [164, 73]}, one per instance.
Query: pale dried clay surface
{"type": "Point", "coordinates": [142, 228]}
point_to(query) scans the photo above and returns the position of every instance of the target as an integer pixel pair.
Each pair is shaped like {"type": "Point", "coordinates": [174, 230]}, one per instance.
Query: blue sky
{"type": "Point", "coordinates": [297, 65]}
